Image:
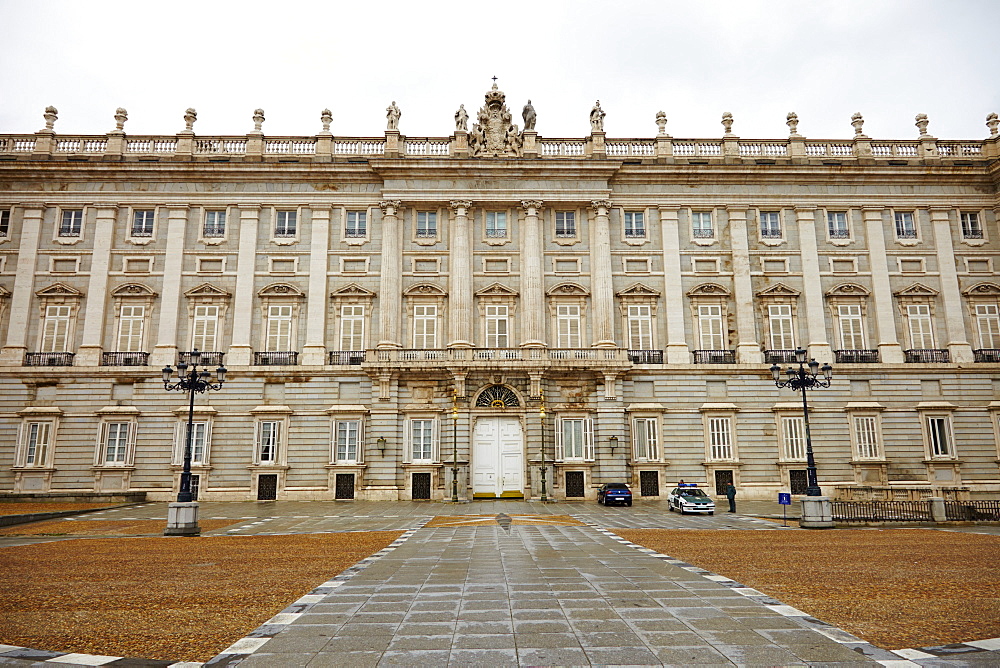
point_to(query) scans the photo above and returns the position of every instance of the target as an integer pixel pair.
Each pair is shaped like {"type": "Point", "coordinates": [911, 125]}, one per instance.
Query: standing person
{"type": "Point", "coordinates": [731, 495]}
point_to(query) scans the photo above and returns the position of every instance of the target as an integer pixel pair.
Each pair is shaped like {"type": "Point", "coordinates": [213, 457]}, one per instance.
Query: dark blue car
{"type": "Point", "coordinates": [614, 492]}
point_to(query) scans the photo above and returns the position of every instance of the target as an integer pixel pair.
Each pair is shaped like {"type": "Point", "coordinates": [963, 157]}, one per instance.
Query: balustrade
{"type": "Point", "coordinates": [988, 355]}
{"type": "Point", "coordinates": [346, 357]}
{"type": "Point", "coordinates": [276, 358]}
{"type": "Point", "coordinates": [49, 359]}
{"type": "Point", "coordinates": [856, 356]}
{"type": "Point", "coordinates": [124, 359]}
{"type": "Point", "coordinates": [926, 355]}
{"type": "Point", "coordinates": [829, 149]}
{"type": "Point", "coordinates": [714, 356]}
{"type": "Point", "coordinates": [208, 358]}
{"type": "Point", "coordinates": [626, 149]}
{"type": "Point", "coordinates": [427, 147]}
{"type": "Point", "coordinates": [360, 147]}
{"type": "Point", "coordinates": [292, 147]}
{"type": "Point", "coordinates": [645, 356]}
{"type": "Point", "coordinates": [553, 149]}
{"type": "Point", "coordinates": [763, 150]}
{"type": "Point", "coordinates": [779, 357]}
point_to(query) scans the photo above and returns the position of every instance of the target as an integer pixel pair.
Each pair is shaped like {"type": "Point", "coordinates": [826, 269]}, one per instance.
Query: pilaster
{"type": "Point", "coordinates": [24, 287]}
{"type": "Point", "coordinates": [460, 277]}
{"type": "Point", "coordinates": [314, 351]}
{"type": "Point", "coordinates": [390, 276]}
{"type": "Point", "coordinates": [165, 351]}
{"type": "Point", "coordinates": [241, 350]}
{"type": "Point", "coordinates": [393, 145]}
{"type": "Point", "coordinates": [597, 147]}
{"type": "Point", "coordinates": [602, 293]}
{"type": "Point", "coordinates": [818, 346]}
{"type": "Point", "coordinates": [673, 292]}
{"type": "Point", "coordinates": [747, 346]}
{"type": "Point", "coordinates": [959, 348]}
{"type": "Point", "coordinates": [91, 346]}
{"type": "Point", "coordinates": [530, 146]}
{"type": "Point", "coordinates": [533, 290]}
{"type": "Point", "coordinates": [889, 350]}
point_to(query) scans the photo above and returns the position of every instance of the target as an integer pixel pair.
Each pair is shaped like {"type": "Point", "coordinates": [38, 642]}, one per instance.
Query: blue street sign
{"type": "Point", "coordinates": [784, 498]}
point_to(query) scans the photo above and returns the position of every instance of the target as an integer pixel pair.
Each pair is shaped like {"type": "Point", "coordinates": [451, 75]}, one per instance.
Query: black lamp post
{"type": "Point", "coordinates": [454, 448]}
{"type": "Point", "coordinates": [541, 416]}
{"type": "Point", "coordinates": [803, 380]}
{"type": "Point", "coordinates": [189, 379]}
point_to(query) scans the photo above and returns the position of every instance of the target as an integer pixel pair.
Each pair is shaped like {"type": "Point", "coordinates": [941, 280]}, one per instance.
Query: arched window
{"type": "Point", "coordinates": [497, 396]}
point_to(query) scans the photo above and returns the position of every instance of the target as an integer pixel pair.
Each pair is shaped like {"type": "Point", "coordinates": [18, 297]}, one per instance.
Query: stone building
{"type": "Point", "coordinates": [499, 304]}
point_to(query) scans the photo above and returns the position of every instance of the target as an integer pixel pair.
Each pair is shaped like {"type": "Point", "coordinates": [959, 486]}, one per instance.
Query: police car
{"type": "Point", "coordinates": [687, 498]}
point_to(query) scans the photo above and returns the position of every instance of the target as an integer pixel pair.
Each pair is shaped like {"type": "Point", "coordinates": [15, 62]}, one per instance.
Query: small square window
{"type": "Point", "coordinates": [905, 227]}
{"type": "Point", "coordinates": [210, 265]}
{"type": "Point", "coordinates": [836, 224]}
{"type": "Point", "coordinates": [634, 223]}
{"type": "Point", "coordinates": [138, 265]}
{"type": "Point", "coordinates": [971, 226]}
{"type": "Point", "coordinates": [770, 225]}
{"type": "Point", "coordinates": [142, 222]}
{"type": "Point", "coordinates": [285, 223]}
{"type": "Point", "coordinates": [496, 224]}
{"type": "Point", "coordinates": [215, 224]}
{"type": "Point", "coordinates": [71, 224]}
{"type": "Point", "coordinates": [701, 225]}
{"type": "Point", "coordinates": [4, 222]}
{"type": "Point", "coordinates": [356, 224]}
{"type": "Point", "coordinates": [565, 224]}
{"type": "Point", "coordinates": [426, 224]}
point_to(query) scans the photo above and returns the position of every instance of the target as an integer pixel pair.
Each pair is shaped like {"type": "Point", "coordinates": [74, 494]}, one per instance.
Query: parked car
{"type": "Point", "coordinates": [614, 492]}
{"type": "Point", "coordinates": [690, 499]}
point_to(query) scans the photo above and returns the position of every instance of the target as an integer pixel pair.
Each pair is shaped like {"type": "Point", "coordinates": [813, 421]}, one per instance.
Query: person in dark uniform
{"type": "Point", "coordinates": [731, 495]}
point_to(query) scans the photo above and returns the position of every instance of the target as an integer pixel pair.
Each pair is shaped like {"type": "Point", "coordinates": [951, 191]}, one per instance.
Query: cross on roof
{"type": "Point", "coordinates": [494, 79]}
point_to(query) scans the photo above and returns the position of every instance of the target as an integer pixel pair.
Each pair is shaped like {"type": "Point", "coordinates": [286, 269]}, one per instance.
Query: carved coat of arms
{"type": "Point", "coordinates": [494, 134]}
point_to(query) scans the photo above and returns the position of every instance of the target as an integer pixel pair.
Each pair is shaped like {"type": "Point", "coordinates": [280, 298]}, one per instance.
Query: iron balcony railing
{"type": "Point", "coordinates": [779, 356]}
{"type": "Point", "coordinates": [926, 355]}
{"type": "Point", "coordinates": [346, 357]}
{"type": "Point", "coordinates": [208, 357]}
{"type": "Point", "coordinates": [276, 358]}
{"type": "Point", "coordinates": [881, 511]}
{"type": "Point", "coordinates": [987, 355]}
{"type": "Point", "coordinates": [49, 359]}
{"type": "Point", "coordinates": [714, 356]}
{"type": "Point", "coordinates": [124, 359]}
{"type": "Point", "coordinates": [645, 356]}
{"type": "Point", "coordinates": [971, 511]}
{"type": "Point", "coordinates": [856, 356]}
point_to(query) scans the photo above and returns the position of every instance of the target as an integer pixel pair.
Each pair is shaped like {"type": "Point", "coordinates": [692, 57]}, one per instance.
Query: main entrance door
{"type": "Point", "coordinates": [498, 457]}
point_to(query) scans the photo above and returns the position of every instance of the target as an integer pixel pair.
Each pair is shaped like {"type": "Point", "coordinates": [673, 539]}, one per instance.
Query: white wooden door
{"type": "Point", "coordinates": [497, 456]}
{"type": "Point", "coordinates": [511, 455]}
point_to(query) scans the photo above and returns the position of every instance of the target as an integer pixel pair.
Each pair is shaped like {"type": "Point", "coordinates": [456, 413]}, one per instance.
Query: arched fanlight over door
{"type": "Point", "coordinates": [497, 396]}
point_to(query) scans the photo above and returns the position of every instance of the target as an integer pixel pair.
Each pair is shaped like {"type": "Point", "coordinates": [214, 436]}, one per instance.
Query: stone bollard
{"type": "Point", "coordinates": [938, 513]}
{"type": "Point", "coordinates": [817, 513]}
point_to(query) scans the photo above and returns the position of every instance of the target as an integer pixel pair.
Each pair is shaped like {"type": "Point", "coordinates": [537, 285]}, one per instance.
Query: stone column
{"type": "Point", "coordinates": [165, 351]}
{"type": "Point", "coordinates": [460, 277]}
{"type": "Point", "coordinates": [747, 347]}
{"type": "Point", "coordinates": [91, 346]}
{"type": "Point", "coordinates": [958, 345]}
{"type": "Point", "coordinates": [24, 287]}
{"type": "Point", "coordinates": [602, 295]}
{"type": "Point", "coordinates": [241, 349]}
{"type": "Point", "coordinates": [818, 346]}
{"type": "Point", "coordinates": [390, 277]}
{"type": "Point", "coordinates": [532, 277]}
{"type": "Point", "coordinates": [673, 290]}
{"type": "Point", "coordinates": [314, 351]}
{"type": "Point", "coordinates": [889, 350]}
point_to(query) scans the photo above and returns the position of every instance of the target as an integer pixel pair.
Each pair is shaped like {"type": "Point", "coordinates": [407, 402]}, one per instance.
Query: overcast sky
{"type": "Point", "coordinates": [888, 59]}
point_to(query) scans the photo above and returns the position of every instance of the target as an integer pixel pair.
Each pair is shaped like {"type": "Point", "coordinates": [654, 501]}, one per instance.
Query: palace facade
{"type": "Point", "coordinates": [498, 304]}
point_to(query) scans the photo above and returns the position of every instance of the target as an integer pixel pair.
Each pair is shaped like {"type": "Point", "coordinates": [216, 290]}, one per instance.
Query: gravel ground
{"type": "Point", "coordinates": [47, 507]}
{"type": "Point", "coordinates": [895, 588]}
{"type": "Point", "coordinates": [175, 599]}
{"type": "Point", "coordinates": [102, 527]}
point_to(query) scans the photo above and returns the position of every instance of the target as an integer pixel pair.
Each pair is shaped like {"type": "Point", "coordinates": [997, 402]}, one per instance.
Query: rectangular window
{"type": "Point", "coordinates": [348, 440]}
{"type": "Point", "coordinates": [939, 437]}
{"type": "Point", "coordinates": [422, 440]}
{"type": "Point", "coordinates": [905, 228]}
{"type": "Point", "coordinates": [279, 328]}
{"type": "Point", "coordinates": [919, 319]}
{"type": "Point", "coordinates": [836, 225]}
{"type": "Point", "coordinates": [565, 224]}
{"type": "Point", "coordinates": [72, 223]}
{"type": "Point", "coordinates": [352, 327]}
{"type": "Point", "coordinates": [36, 444]}
{"type": "Point", "coordinates": [779, 318]}
{"type": "Point", "coordinates": [575, 440]}
{"type": "Point", "coordinates": [640, 328]}
{"type": "Point", "coordinates": [55, 329]}
{"type": "Point", "coordinates": [116, 443]}
{"type": "Point", "coordinates": [701, 225]}
{"type": "Point", "coordinates": [285, 223]}
{"type": "Point", "coordinates": [215, 224]}
{"type": "Point", "coordinates": [497, 327]}
{"type": "Point", "coordinates": [568, 326]}
{"type": "Point", "coordinates": [204, 328]}
{"type": "Point", "coordinates": [851, 330]}
{"type": "Point", "coordinates": [770, 225]}
{"type": "Point", "coordinates": [793, 434]}
{"type": "Point", "coordinates": [496, 224]}
{"type": "Point", "coordinates": [268, 441]}
{"type": "Point", "coordinates": [988, 323]}
{"type": "Point", "coordinates": [635, 225]}
{"type": "Point", "coordinates": [130, 326]}
{"type": "Point", "coordinates": [866, 432]}
{"type": "Point", "coordinates": [644, 438]}
{"type": "Point", "coordinates": [356, 224]}
{"type": "Point", "coordinates": [4, 222]}
{"type": "Point", "coordinates": [427, 224]}
{"type": "Point", "coordinates": [424, 327]}
{"type": "Point", "coordinates": [720, 438]}
{"type": "Point", "coordinates": [199, 440]}
{"type": "Point", "coordinates": [142, 223]}
{"type": "Point", "coordinates": [710, 327]}
{"type": "Point", "coordinates": [971, 227]}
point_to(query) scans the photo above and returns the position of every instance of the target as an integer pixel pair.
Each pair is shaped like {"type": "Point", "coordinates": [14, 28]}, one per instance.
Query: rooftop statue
{"type": "Point", "coordinates": [392, 113]}
{"type": "Point", "coordinates": [597, 118]}
{"type": "Point", "coordinates": [528, 114]}
{"type": "Point", "coordinates": [461, 119]}
{"type": "Point", "coordinates": [494, 134]}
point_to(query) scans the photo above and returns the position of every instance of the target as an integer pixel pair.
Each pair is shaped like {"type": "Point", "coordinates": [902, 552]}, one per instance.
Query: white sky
{"type": "Point", "coordinates": [888, 59]}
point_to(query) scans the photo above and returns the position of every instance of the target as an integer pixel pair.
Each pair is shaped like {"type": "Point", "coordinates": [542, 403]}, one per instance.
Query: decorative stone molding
{"type": "Point", "coordinates": [390, 207]}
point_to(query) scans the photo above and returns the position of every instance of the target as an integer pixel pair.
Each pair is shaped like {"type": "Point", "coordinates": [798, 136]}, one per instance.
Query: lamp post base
{"type": "Point", "coordinates": [817, 513]}
{"type": "Point", "coordinates": [182, 519]}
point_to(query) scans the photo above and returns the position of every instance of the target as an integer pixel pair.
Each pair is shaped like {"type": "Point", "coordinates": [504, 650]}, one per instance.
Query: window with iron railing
{"type": "Point", "coordinates": [4, 222]}
{"type": "Point", "coordinates": [285, 223]}
{"type": "Point", "coordinates": [701, 225]}
{"type": "Point", "coordinates": [356, 224]}
{"type": "Point", "coordinates": [565, 224]}
{"type": "Point", "coordinates": [770, 225]}
{"type": "Point", "coordinates": [971, 227]}
{"type": "Point", "coordinates": [836, 225]}
{"type": "Point", "coordinates": [72, 223]}
{"type": "Point", "coordinates": [634, 224]}
{"type": "Point", "coordinates": [215, 224]}
{"type": "Point", "coordinates": [426, 224]}
{"type": "Point", "coordinates": [496, 224]}
{"type": "Point", "coordinates": [905, 227]}
{"type": "Point", "coordinates": [142, 223]}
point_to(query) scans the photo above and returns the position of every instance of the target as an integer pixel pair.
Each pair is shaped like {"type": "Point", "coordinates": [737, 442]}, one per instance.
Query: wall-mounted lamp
{"type": "Point", "coordinates": [614, 444]}
{"type": "Point", "coordinates": [381, 445]}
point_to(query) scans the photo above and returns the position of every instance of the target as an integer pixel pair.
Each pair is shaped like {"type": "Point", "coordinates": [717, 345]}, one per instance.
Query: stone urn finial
{"type": "Point", "coordinates": [51, 115]}
{"type": "Point", "coordinates": [858, 122]}
{"type": "Point", "coordinates": [190, 116]}
{"type": "Point", "coordinates": [661, 123]}
{"type": "Point", "coordinates": [325, 117]}
{"type": "Point", "coordinates": [120, 117]}
{"type": "Point", "coordinates": [993, 122]}
{"type": "Point", "coordinates": [258, 119]}
{"type": "Point", "coordinates": [921, 123]}
{"type": "Point", "coordinates": [727, 123]}
{"type": "Point", "coordinates": [792, 121]}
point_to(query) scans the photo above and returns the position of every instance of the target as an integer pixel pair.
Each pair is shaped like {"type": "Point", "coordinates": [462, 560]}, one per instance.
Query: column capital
{"type": "Point", "coordinates": [387, 204]}
{"type": "Point", "coordinates": [598, 204]}
{"type": "Point", "coordinates": [531, 204]}
{"type": "Point", "coordinates": [460, 206]}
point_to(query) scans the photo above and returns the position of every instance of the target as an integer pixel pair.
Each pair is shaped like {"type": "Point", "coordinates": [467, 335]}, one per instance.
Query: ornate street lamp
{"type": "Point", "coordinates": [454, 447]}
{"type": "Point", "coordinates": [182, 518]}
{"type": "Point", "coordinates": [541, 416]}
{"type": "Point", "coordinates": [803, 380]}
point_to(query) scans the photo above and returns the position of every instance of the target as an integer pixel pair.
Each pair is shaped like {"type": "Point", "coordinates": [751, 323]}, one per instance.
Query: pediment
{"type": "Point", "coordinates": [425, 290]}
{"type": "Point", "coordinates": [848, 290]}
{"type": "Point", "coordinates": [133, 290]}
{"type": "Point", "coordinates": [207, 290]}
{"type": "Point", "coordinates": [639, 290]}
{"type": "Point", "coordinates": [352, 290]}
{"type": "Point", "coordinates": [779, 290]}
{"type": "Point", "coordinates": [59, 290]}
{"type": "Point", "coordinates": [564, 289]}
{"type": "Point", "coordinates": [917, 290]}
{"type": "Point", "coordinates": [4, 292]}
{"type": "Point", "coordinates": [977, 290]}
{"type": "Point", "coordinates": [280, 290]}
{"type": "Point", "coordinates": [709, 290]}
{"type": "Point", "coordinates": [496, 290]}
